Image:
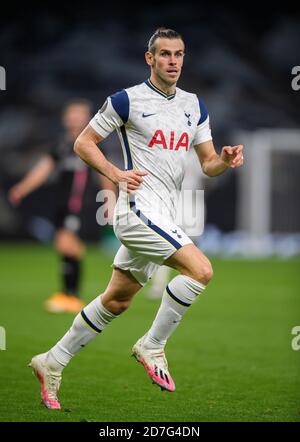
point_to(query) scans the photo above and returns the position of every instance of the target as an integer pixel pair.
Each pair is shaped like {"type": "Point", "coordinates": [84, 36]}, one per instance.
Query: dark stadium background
{"type": "Point", "coordinates": [232, 357]}
{"type": "Point", "coordinates": [238, 61]}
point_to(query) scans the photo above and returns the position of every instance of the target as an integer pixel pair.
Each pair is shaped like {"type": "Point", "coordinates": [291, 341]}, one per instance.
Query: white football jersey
{"type": "Point", "coordinates": [156, 131]}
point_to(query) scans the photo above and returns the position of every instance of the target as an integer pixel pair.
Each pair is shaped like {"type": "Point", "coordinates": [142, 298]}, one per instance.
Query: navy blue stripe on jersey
{"type": "Point", "coordinates": [185, 304]}
{"type": "Point", "coordinates": [153, 226]}
{"type": "Point", "coordinates": [86, 319]}
{"type": "Point", "coordinates": [160, 92]}
{"type": "Point", "coordinates": [127, 148]}
{"type": "Point", "coordinates": [203, 112]}
{"type": "Point", "coordinates": [120, 102]}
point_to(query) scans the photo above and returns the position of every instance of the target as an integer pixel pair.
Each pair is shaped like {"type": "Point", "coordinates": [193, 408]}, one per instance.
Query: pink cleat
{"type": "Point", "coordinates": [50, 381]}
{"type": "Point", "coordinates": [155, 363]}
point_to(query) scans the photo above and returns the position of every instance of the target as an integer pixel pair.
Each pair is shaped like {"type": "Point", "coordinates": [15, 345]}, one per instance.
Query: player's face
{"type": "Point", "coordinates": [76, 117]}
{"type": "Point", "coordinates": [167, 61]}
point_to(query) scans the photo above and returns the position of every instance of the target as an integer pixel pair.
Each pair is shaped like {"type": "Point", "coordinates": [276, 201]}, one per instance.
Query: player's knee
{"type": "Point", "coordinates": [62, 244]}
{"type": "Point", "coordinates": [67, 245]}
{"type": "Point", "coordinates": [118, 306]}
{"type": "Point", "coordinates": [204, 273]}
{"type": "Point", "coordinates": [208, 273]}
{"type": "Point", "coordinates": [124, 304]}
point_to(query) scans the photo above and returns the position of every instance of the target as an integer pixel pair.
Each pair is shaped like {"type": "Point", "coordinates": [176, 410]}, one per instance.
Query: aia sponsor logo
{"type": "Point", "coordinates": [168, 142]}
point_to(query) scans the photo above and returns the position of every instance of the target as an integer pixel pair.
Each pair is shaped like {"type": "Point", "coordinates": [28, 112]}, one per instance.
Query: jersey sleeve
{"type": "Point", "coordinates": [203, 132]}
{"type": "Point", "coordinates": [53, 154]}
{"type": "Point", "coordinates": [112, 115]}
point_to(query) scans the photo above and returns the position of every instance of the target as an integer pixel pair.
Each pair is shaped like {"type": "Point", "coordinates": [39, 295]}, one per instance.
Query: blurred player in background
{"type": "Point", "coordinates": [157, 124]}
{"type": "Point", "coordinates": [72, 181]}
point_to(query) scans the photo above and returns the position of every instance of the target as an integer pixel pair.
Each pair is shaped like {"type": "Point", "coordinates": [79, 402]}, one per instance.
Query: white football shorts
{"type": "Point", "coordinates": [147, 241]}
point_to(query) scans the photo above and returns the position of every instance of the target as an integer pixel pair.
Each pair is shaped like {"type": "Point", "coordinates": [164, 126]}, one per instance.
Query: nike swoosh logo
{"type": "Point", "coordinates": [147, 115]}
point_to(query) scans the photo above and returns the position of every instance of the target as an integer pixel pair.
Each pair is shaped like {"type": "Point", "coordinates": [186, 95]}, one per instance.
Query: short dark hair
{"type": "Point", "coordinates": [162, 33]}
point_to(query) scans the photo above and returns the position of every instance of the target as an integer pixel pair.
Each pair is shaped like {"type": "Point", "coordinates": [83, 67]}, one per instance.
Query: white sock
{"type": "Point", "coordinates": [160, 280]}
{"type": "Point", "coordinates": [85, 328]}
{"type": "Point", "coordinates": [178, 296]}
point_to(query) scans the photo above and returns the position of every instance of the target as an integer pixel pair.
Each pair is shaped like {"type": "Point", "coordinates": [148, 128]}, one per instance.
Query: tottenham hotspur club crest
{"type": "Point", "coordinates": [176, 233]}
{"type": "Point", "coordinates": [188, 116]}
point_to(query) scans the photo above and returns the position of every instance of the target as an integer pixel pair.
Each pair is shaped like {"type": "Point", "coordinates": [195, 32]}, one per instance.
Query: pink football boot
{"type": "Point", "coordinates": [155, 363]}
{"type": "Point", "coordinates": [50, 381]}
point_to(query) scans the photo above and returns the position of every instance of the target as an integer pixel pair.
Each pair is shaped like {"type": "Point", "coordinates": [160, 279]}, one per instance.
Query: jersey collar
{"type": "Point", "coordinates": [159, 91]}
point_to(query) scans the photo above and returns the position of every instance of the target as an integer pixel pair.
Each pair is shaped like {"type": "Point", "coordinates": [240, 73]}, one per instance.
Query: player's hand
{"type": "Point", "coordinates": [232, 156]}
{"type": "Point", "coordinates": [15, 194]}
{"type": "Point", "coordinates": [130, 180]}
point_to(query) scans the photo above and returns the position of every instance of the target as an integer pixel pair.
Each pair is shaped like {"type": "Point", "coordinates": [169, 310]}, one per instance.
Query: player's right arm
{"type": "Point", "coordinates": [86, 148]}
{"type": "Point", "coordinates": [34, 179]}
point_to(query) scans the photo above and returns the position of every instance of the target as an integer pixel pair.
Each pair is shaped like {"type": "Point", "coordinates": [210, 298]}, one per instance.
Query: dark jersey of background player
{"type": "Point", "coordinates": [71, 183]}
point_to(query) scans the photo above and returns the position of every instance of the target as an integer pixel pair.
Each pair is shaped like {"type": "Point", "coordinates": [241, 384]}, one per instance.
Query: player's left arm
{"type": "Point", "coordinates": [213, 164]}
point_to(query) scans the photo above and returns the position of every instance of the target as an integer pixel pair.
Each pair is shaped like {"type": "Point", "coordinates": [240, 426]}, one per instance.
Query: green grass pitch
{"type": "Point", "coordinates": [231, 358]}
